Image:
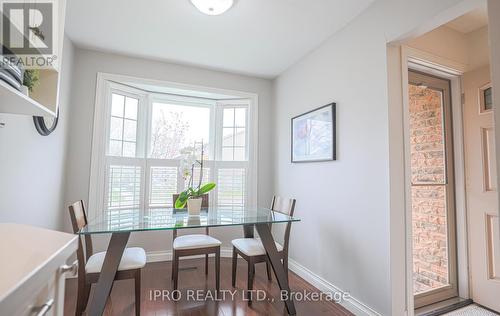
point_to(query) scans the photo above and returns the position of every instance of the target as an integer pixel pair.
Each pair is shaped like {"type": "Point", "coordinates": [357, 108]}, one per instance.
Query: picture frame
{"type": "Point", "coordinates": [313, 135]}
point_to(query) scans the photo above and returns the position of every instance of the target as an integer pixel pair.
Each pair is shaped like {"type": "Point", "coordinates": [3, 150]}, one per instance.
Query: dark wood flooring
{"type": "Point", "coordinates": [156, 276]}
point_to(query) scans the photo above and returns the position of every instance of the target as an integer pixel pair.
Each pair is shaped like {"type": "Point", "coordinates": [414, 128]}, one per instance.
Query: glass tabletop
{"type": "Point", "coordinates": [130, 220]}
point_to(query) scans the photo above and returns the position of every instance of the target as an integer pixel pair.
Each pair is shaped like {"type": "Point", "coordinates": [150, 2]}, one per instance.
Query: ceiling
{"type": "Point", "coordinates": [470, 22]}
{"type": "Point", "coordinates": [255, 37]}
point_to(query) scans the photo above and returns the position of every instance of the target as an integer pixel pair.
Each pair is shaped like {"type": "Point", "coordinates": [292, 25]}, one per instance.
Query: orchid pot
{"type": "Point", "coordinates": [194, 206]}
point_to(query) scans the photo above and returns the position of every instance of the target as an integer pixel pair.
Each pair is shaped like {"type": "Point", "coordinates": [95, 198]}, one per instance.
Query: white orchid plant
{"type": "Point", "coordinates": [186, 169]}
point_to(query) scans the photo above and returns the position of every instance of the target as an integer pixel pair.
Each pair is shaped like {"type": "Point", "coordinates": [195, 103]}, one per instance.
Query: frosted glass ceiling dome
{"type": "Point", "coordinates": [213, 7]}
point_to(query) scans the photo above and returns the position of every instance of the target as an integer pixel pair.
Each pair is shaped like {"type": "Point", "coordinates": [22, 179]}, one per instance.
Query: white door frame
{"type": "Point", "coordinates": [398, 58]}
{"type": "Point", "coordinates": [435, 65]}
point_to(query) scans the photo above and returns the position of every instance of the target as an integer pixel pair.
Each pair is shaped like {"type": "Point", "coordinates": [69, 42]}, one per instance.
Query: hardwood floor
{"type": "Point", "coordinates": [156, 276]}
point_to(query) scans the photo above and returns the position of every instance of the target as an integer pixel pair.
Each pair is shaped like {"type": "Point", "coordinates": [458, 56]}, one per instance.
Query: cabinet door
{"type": "Point", "coordinates": [44, 298]}
{"type": "Point", "coordinates": [50, 297]}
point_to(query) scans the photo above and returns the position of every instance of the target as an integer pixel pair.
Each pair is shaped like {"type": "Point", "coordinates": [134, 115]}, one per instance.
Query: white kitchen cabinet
{"type": "Point", "coordinates": [33, 268]}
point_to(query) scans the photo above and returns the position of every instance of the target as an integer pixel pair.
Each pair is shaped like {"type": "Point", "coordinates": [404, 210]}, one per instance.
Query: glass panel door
{"type": "Point", "coordinates": [432, 189]}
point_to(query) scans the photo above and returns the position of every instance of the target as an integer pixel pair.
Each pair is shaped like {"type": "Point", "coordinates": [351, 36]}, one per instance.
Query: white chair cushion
{"type": "Point", "coordinates": [195, 241]}
{"type": "Point", "coordinates": [252, 246]}
{"type": "Point", "coordinates": [133, 258]}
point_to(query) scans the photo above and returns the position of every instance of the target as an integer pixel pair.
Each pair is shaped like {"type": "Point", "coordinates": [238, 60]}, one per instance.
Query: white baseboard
{"type": "Point", "coordinates": [352, 304]}
{"type": "Point", "coordinates": [158, 256]}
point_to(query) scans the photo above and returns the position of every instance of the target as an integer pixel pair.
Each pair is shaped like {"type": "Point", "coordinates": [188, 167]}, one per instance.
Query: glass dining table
{"type": "Point", "coordinates": [120, 223]}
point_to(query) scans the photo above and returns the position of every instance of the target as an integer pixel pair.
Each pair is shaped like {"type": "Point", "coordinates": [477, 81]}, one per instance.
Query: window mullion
{"type": "Point", "coordinates": [234, 131]}
{"type": "Point", "coordinates": [217, 152]}
{"type": "Point", "coordinates": [144, 187]}
{"type": "Point", "coordinates": [218, 131]}
{"type": "Point", "coordinates": [215, 177]}
{"type": "Point", "coordinates": [147, 124]}
{"type": "Point", "coordinates": [145, 114]}
{"type": "Point", "coordinates": [105, 194]}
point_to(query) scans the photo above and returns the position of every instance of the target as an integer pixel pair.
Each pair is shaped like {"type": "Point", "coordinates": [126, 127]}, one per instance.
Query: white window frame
{"type": "Point", "coordinates": [154, 162]}
{"type": "Point", "coordinates": [220, 106]}
{"type": "Point", "coordinates": [107, 83]}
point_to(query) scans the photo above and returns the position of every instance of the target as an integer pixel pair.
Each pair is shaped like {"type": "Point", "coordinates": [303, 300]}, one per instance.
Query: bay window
{"type": "Point", "coordinates": [137, 143]}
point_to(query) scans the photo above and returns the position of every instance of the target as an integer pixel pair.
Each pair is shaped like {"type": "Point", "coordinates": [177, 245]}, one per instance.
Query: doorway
{"type": "Point", "coordinates": [432, 189]}
{"type": "Point", "coordinates": [458, 50]}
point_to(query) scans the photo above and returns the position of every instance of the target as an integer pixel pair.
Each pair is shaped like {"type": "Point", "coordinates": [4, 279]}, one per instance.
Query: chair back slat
{"type": "Point", "coordinates": [284, 206]}
{"type": "Point", "coordinates": [78, 216]}
{"type": "Point", "coordinates": [79, 221]}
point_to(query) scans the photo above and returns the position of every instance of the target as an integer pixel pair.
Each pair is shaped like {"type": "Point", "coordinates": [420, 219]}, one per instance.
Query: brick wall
{"type": "Point", "coordinates": [428, 202]}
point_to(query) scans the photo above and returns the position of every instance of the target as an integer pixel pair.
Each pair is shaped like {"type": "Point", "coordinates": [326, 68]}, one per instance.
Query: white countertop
{"type": "Point", "coordinates": [26, 250]}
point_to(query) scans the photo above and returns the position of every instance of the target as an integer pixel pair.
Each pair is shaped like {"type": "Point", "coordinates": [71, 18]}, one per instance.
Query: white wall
{"type": "Point", "coordinates": [470, 50]}
{"type": "Point", "coordinates": [478, 48]}
{"type": "Point", "coordinates": [344, 236]}
{"type": "Point", "coordinates": [88, 63]}
{"type": "Point", "coordinates": [444, 42]}
{"type": "Point", "coordinates": [32, 166]}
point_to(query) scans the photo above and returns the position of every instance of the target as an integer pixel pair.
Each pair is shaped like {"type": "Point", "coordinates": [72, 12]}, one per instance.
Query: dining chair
{"type": "Point", "coordinates": [195, 244]}
{"type": "Point", "coordinates": [90, 264]}
{"type": "Point", "coordinates": [253, 251]}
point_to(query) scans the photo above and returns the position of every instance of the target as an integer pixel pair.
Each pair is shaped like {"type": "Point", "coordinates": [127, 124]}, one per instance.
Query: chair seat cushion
{"type": "Point", "coordinates": [195, 241]}
{"type": "Point", "coordinates": [133, 258]}
{"type": "Point", "coordinates": [252, 246]}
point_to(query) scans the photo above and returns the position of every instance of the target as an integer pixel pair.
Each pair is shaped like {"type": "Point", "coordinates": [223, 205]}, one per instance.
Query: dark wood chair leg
{"type": "Point", "coordinates": [217, 270]}
{"type": "Point", "coordinates": [268, 268]}
{"type": "Point", "coordinates": [86, 296]}
{"type": "Point", "coordinates": [176, 270]}
{"type": "Point", "coordinates": [82, 298]}
{"type": "Point", "coordinates": [251, 273]}
{"type": "Point", "coordinates": [235, 263]}
{"type": "Point", "coordinates": [172, 272]}
{"type": "Point", "coordinates": [138, 293]}
{"type": "Point", "coordinates": [206, 264]}
{"type": "Point", "coordinates": [285, 265]}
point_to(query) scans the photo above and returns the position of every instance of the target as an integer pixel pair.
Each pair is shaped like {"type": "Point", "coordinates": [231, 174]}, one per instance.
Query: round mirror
{"type": "Point", "coordinates": [45, 124]}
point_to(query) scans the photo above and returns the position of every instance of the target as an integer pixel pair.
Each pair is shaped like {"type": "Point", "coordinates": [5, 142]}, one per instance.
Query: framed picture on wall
{"type": "Point", "coordinates": [313, 135]}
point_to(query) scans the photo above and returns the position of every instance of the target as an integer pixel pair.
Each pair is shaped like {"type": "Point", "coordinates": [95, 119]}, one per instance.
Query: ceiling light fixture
{"type": "Point", "coordinates": [213, 7]}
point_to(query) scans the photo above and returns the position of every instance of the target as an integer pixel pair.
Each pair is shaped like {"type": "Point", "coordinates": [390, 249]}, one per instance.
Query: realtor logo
{"type": "Point", "coordinates": [28, 33]}
{"type": "Point", "coordinates": [27, 28]}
